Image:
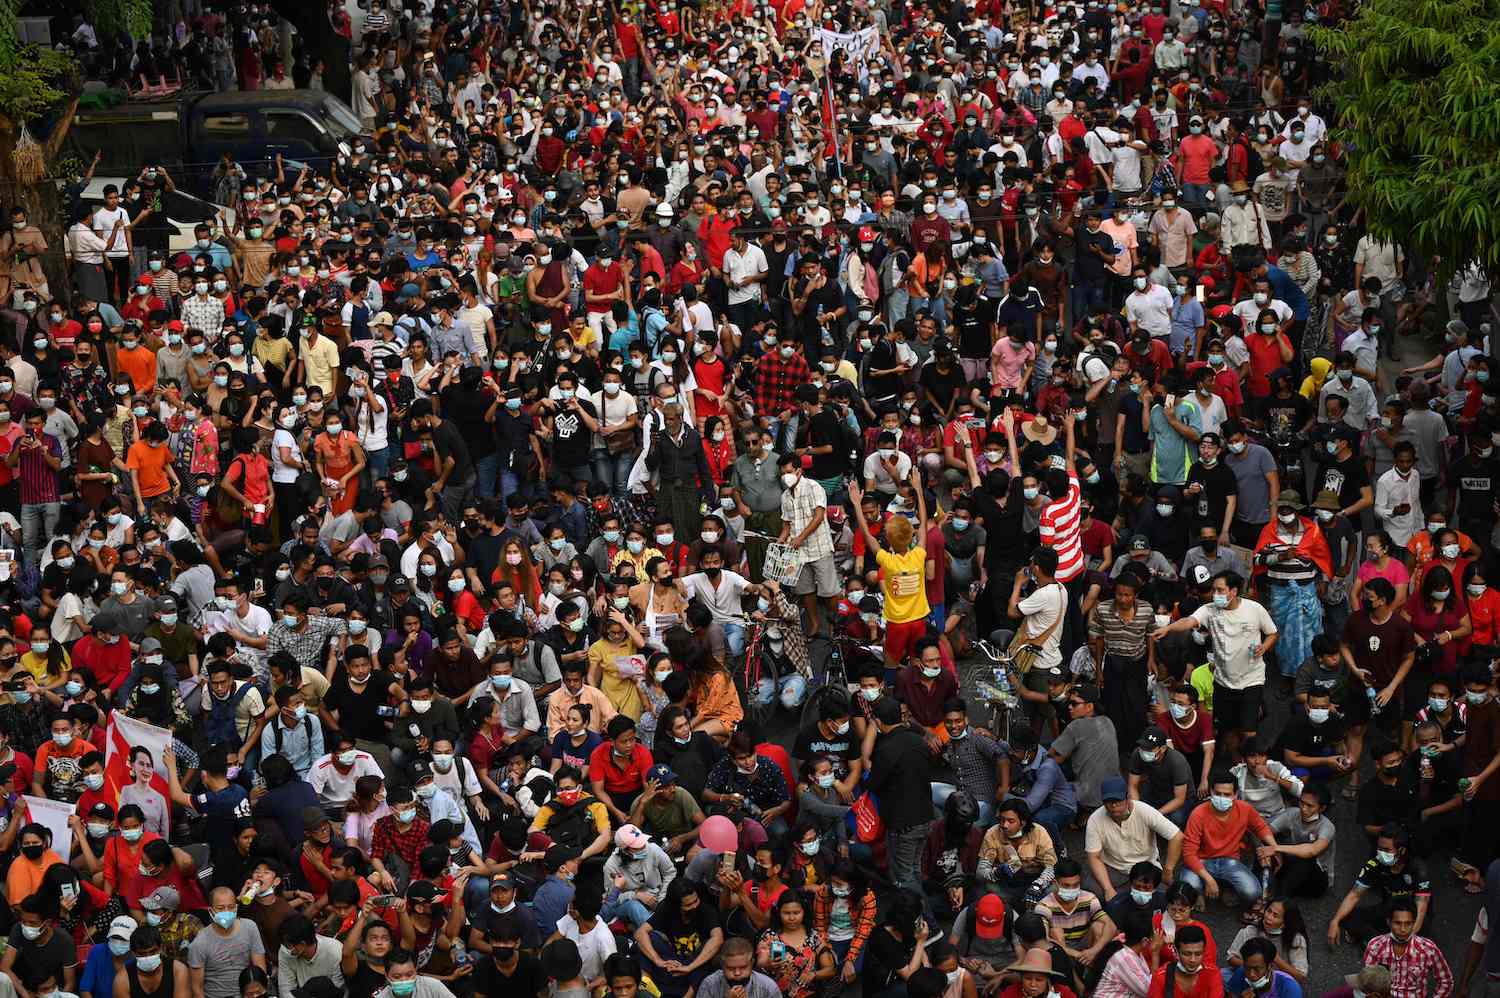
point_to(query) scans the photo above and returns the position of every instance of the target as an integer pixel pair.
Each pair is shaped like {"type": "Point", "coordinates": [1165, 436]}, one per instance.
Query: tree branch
{"type": "Point", "coordinates": [59, 131]}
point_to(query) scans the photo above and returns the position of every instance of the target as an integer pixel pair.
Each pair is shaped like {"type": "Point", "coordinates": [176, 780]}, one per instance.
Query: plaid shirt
{"type": "Point", "coordinates": [306, 645]}
{"type": "Point", "coordinates": [388, 838]}
{"type": "Point", "coordinates": [798, 504]}
{"type": "Point", "coordinates": [776, 380]}
{"type": "Point", "coordinates": [1410, 971]}
{"type": "Point", "coordinates": [204, 314]}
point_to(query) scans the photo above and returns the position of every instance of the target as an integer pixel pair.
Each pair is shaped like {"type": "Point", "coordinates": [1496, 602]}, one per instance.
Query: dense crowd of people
{"type": "Point", "coordinates": [733, 500]}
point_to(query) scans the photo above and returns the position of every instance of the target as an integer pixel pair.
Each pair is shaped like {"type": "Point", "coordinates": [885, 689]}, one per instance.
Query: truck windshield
{"type": "Point", "coordinates": [339, 119]}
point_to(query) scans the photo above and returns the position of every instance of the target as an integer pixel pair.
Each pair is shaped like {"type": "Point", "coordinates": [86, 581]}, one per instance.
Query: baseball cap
{"type": "Point", "coordinates": [121, 927]}
{"type": "Point", "coordinates": [1152, 738]}
{"type": "Point", "coordinates": [313, 817]}
{"type": "Point", "coordinates": [989, 917]}
{"type": "Point", "coordinates": [556, 856]}
{"type": "Point", "coordinates": [166, 604]}
{"type": "Point", "coordinates": [163, 897]}
{"type": "Point", "coordinates": [502, 881]}
{"type": "Point", "coordinates": [630, 837]}
{"type": "Point", "coordinates": [662, 773]}
{"type": "Point", "coordinates": [1112, 788]}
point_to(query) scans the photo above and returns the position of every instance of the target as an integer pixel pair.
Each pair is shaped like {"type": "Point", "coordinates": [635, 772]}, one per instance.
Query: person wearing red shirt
{"type": "Point", "coordinates": [104, 652]}
{"type": "Point", "coordinates": [711, 374]}
{"type": "Point", "coordinates": [550, 149]}
{"type": "Point", "coordinates": [618, 768]}
{"type": "Point", "coordinates": [142, 303]}
{"type": "Point", "coordinates": [1192, 977]}
{"type": "Point", "coordinates": [21, 778]}
{"type": "Point", "coordinates": [1484, 607]}
{"type": "Point", "coordinates": [1268, 352]}
{"type": "Point", "coordinates": [603, 284]}
{"type": "Point", "coordinates": [714, 232]}
{"type": "Point", "coordinates": [648, 259]}
{"type": "Point", "coordinates": [1215, 837]}
{"type": "Point", "coordinates": [1195, 156]}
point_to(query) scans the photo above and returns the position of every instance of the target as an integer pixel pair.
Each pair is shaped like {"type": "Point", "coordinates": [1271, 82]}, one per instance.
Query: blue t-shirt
{"type": "Point", "coordinates": [572, 755]}
{"type": "Point", "coordinates": [98, 976]}
{"type": "Point", "coordinates": [1286, 289]}
{"type": "Point", "coordinates": [1283, 985]}
{"type": "Point", "coordinates": [223, 809]}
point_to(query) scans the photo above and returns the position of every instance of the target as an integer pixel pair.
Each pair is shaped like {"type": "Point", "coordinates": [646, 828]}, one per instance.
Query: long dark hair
{"type": "Point", "coordinates": [1134, 927]}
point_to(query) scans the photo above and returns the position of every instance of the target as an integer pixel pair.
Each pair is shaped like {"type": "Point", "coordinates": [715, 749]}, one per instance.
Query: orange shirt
{"type": "Point", "coordinates": [140, 364]}
{"type": "Point", "coordinates": [25, 876]}
{"type": "Point", "coordinates": [150, 466]}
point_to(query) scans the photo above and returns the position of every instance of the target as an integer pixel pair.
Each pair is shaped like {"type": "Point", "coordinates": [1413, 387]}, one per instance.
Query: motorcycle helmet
{"type": "Point", "coordinates": [961, 808]}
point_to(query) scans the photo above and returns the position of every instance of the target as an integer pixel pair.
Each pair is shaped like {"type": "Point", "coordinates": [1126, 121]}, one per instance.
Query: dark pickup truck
{"type": "Point", "coordinates": [188, 134]}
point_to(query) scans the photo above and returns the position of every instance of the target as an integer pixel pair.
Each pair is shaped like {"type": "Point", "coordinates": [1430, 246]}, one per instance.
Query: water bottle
{"type": "Point", "coordinates": [1002, 679]}
{"type": "Point", "coordinates": [460, 956]}
{"type": "Point", "coordinates": [1374, 706]}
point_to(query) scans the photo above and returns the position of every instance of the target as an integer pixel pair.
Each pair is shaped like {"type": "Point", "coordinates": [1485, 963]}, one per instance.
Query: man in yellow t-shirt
{"type": "Point", "coordinates": [903, 575]}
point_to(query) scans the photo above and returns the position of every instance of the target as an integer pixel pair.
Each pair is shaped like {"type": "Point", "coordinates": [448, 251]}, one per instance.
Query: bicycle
{"type": "Point", "coordinates": [999, 693]}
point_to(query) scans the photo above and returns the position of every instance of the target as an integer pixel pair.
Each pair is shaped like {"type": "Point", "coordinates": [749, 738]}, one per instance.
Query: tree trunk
{"type": "Point", "coordinates": [38, 193]}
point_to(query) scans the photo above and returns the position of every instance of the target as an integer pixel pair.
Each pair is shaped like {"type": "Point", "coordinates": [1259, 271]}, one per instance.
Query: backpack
{"type": "Point", "coordinates": [277, 730]}
{"type": "Point", "coordinates": [573, 826]}
{"type": "Point", "coordinates": [218, 723]}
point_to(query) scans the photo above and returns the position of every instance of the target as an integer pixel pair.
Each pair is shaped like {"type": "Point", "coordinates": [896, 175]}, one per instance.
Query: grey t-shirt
{"type": "Point", "coordinates": [1291, 830]}
{"type": "Point", "coordinates": [1090, 747]}
{"type": "Point", "coordinates": [134, 617]}
{"type": "Point", "coordinates": [221, 958]}
{"type": "Point", "coordinates": [1160, 780]}
{"type": "Point", "coordinates": [1250, 470]}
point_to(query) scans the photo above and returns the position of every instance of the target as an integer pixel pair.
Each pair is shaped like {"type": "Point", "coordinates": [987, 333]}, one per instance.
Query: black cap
{"type": "Point", "coordinates": [318, 987]}
{"type": "Point", "coordinates": [556, 856]}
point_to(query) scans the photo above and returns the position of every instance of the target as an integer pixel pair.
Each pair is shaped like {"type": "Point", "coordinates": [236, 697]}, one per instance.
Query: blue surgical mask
{"type": "Point", "coordinates": [225, 919]}
{"type": "Point", "coordinates": [1141, 897]}
{"type": "Point", "coordinates": [1220, 802]}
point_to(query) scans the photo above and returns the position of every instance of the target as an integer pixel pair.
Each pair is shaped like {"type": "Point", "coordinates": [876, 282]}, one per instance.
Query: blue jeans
{"type": "Point", "coordinates": [613, 470]}
{"type": "Point", "coordinates": [1195, 194]}
{"type": "Point", "coordinates": [792, 689]}
{"type": "Point", "coordinates": [1229, 872]}
{"type": "Point", "coordinates": [942, 791]}
{"type": "Point", "coordinates": [38, 521]}
{"type": "Point", "coordinates": [510, 484]}
{"type": "Point", "coordinates": [379, 462]}
{"type": "Point", "coordinates": [1053, 817]}
{"type": "Point", "coordinates": [477, 893]}
{"type": "Point", "coordinates": [734, 637]}
{"type": "Point", "coordinates": [485, 469]}
{"type": "Point", "coordinates": [627, 907]}
{"type": "Point", "coordinates": [896, 305]}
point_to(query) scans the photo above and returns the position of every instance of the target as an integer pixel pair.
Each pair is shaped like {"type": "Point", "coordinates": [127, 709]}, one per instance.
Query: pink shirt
{"type": "Point", "coordinates": [1196, 155]}
{"type": "Point", "coordinates": [1009, 361]}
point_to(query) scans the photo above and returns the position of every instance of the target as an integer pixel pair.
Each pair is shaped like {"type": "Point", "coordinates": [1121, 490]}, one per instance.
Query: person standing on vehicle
{"type": "Point", "coordinates": [117, 255]}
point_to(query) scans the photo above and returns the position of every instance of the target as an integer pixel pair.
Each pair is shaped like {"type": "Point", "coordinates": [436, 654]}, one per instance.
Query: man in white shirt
{"type": "Point", "coordinates": [745, 269]}
{"type": "Point", "coordinates": [118, 255]}
{"type": "Point", "coordinates": [1149, 306]}
{"type": "Point", "coordinates": [721, 591]}
{"type": "Point", "coordinates": [1398, 497]}
{"type": "Point", "coordinates": [333, 776]}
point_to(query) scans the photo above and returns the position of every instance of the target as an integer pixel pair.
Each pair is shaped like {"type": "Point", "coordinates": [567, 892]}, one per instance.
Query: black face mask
{"type": "Point", "coordinates": [33, 851]}
{"type": "Point", "coordinates": [1209, 547]}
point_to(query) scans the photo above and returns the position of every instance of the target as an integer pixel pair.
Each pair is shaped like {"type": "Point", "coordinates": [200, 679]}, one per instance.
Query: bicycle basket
{"type": "Point", "coordinates": [783, 564]}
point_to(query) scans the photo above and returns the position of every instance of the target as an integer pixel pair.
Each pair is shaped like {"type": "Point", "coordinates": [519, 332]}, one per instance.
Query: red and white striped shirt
{"type": "Point", "coordinates": [1060, 530]}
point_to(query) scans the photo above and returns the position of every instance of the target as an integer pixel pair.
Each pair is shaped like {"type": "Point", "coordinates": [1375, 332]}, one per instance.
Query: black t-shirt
{"type": "Point", "coordinates": [1090, 266]}
{"type": "Point", "coordinates": [1306, 738]}
{"type": "Point", "coordinates": [571, 437]}
{"type": "Point", "coordinates": [42, 959]}
{"type": "Point", "coordinates": [1219, 485]}
{"type": "Point", "coordinates": [811, 743]}
{"type": "Point", "coordinates": [1380, 803]}
{"type": "Point", "coordinates": [526, 979]}
{"type": "Point", "coordinates": [358, 709]}
{"type": "Point", "coordinates": [466, 408]}
{"type": "Point", "coordinates": [483, 552]}
{"type": "Point", "coordinates": [974, 322]}
{"type": "Point", "coordinates": [943, 387]}
{"type": "Point", "coordinates": [1475, 481]}
{"type": "Point", "coordinates": [1160, 780]}
{"type": "Point", "coordinates": [686, 933]}
{"type": "Point", "coordinates": [820, 429]}
{"type": "Point", "coordinates": [884, 955]}
{"type": "Point", "coordinates": [1284, 415]}
{"type": "Point", "coordinates": [449, 442]}
{"type": "Point", "coordinates": [1344, 477]}
{"type": "Point", "coordinates": [882, 358]}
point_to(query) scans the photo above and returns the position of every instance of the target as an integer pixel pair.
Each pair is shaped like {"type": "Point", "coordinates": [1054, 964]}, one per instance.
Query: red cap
{"type": "Point", "coordinates": [989, 917]}
{"type": "Point", "coordinates": [1220, 312]}
{"type": "Point", "coordinates": [866, 234]}
{"type": "Point", "coordinates": [175, 325]}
